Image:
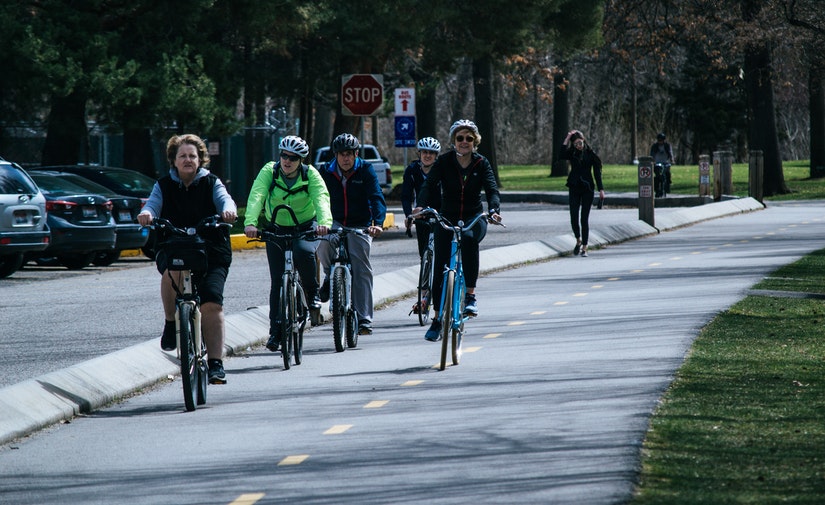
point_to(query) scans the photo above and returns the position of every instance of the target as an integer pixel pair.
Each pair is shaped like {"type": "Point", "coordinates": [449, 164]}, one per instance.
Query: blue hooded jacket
{"type": "Point", "coordinates": [356, 199]}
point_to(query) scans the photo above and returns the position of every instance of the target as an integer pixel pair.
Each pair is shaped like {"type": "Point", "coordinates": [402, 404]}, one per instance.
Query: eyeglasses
{"type": "Point", "coordinates": [462, 138]}
{"type": "Point", "coordinates": [290, 157]}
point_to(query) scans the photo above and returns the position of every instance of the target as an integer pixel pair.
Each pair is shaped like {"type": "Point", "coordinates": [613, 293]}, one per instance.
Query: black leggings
{"type": "Point", "coordinates": [469, 257]}
{"type": "Point", "coordinates": [580, 201]}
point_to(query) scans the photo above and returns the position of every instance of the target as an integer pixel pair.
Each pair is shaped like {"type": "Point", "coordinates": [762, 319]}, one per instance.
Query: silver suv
{"type": "Point", "coordinates": [370, 154]}
{"type": "Point", "coordinates": [22, 217]}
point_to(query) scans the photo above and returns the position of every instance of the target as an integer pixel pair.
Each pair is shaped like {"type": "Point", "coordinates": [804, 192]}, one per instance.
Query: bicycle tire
{"type": "Point", "coordinates": [447, 316]}
{"type": "Point", "coordinates": [188, 356]}
{"type": "Point", "coordinates": [301, 312]}
{"type": "Point", "coordinates": [425, 282]}
{"type": "Point", "coordinates": [203, 377]}
{"type": "Point", "coordinates": [285, 316]}
{"type": "Point", "coordinates": [339, 309]}
{"type": "Point", "coordinates": [352, 328]}
{"type": "Point", "coordinates": [458, 332]}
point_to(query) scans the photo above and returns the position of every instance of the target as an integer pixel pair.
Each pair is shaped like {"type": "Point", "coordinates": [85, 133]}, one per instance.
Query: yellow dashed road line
{"type": "Point", "coordinates": [412, 383]}
{"type": "Point", "coordinates": [296, 459]}
{"type": "Point", "coordinates": [338, 429]}
{"type": "Point", "coordinates": [247, 499]}
{"type": "Point", "coordinates": [492, 335]}
{"type": "Point", "coordinates": [376, 404]}
{"type": "Point", "coordinates": [470, 349]}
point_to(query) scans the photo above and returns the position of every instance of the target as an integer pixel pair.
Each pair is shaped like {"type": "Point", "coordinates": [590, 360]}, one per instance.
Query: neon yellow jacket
{"type": "Point", "coordinates": [308, 197]}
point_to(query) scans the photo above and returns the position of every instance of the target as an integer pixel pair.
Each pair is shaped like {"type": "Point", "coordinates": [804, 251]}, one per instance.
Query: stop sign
{"type": "Point", "coordinates": [361, 94]}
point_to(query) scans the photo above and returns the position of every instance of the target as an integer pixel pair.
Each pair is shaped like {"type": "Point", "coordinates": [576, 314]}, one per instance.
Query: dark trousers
{"type": "Point", "coordinates": [581, 200]}
{"type": "Point", "coordinates": [469, 257]}
{"type": "Point", "coordinates": [303, 255]}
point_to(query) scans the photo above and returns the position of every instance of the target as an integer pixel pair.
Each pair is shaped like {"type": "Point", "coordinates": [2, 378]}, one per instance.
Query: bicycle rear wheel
{"type": "Point", "coordinates": [285, 313]}
{"type": "Point", "coordinates": [425, 281]}
{"type": "Point", "coordinates": [352, 328]}
{"type": "Point", "coordinates": [188, 356]}
{"type": "Point", "coordinates": [339, 309]}
{"type": "Point", "coordinates": [447, 316]}
{"type": "Point", "coordinates": [203, 377]}
{"type": "Point", "coordinates": [301, 313]}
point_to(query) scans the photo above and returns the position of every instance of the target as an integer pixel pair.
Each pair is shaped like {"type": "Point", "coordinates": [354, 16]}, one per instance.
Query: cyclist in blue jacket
{"type": "Point", "coordinates": [357, 201]}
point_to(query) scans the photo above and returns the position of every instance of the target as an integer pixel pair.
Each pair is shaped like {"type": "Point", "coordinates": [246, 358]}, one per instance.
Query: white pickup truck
{"type": "Point", "coordinates": [370, 154]}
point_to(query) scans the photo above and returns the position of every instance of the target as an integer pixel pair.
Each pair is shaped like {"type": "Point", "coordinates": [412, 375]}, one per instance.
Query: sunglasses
{"type": "Point", "coordinates": [462, 138]}
{"type": "Point", "coordinates": [290, 157]}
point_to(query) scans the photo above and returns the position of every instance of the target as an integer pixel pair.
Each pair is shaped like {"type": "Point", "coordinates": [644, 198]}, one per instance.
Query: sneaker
{"type": "Point", "coordinates": [216, 373]}
{"type": "Point", "coordinates": [577, 249]}
{"type": "Point", "coordinates": [274, 343]}
{"type": "Point", "coordinates": [315, 303]}
{"type": "Point", "coordinates": [584, 251]}
{"type": "Point", "coordinates": [169, 341]}
{"type": "Point", "coordinates": [365, 328]}
{"type": "Point", "coordinates": [434, 333]}
{"type": "Point", "coordinates": [323, 295]}
{"type": "Point", "coordinates": [470, 307]}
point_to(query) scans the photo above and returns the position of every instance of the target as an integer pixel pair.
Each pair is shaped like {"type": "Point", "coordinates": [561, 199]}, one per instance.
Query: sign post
{"type": "Point", "coordinates": [362, 94]}
{"type": "Point", "coordinates": [646, 189]}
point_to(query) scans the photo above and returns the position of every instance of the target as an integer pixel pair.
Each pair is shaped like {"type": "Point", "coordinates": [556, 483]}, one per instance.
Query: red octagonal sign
{"type": "Point", "coordinates": [362, 94]}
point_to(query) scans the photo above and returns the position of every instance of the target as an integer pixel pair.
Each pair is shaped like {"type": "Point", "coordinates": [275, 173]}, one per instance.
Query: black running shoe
{"type": "Point", "coordinates": [216, 373]}
{"type": "Point", "coordinates": [168, 340]}
{"type": "Point", "coordinates": [323, 295]}
{"type": "Point", "coordinates": [274, 343]}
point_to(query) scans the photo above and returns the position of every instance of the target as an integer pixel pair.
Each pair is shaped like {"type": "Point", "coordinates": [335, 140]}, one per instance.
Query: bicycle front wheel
{"type": "Point", "coordinates": [339, 309]}
{"type": "Point", "coordinates": [425, 281]}
{"type": "Point", "coordinates": [286, 313]}
{"type": "Point", "coordinates": [447, 316]}
{"type": "Point", "coordinates": [188, 356]}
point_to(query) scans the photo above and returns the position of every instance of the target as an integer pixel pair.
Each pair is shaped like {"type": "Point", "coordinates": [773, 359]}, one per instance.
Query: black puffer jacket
{"type": "Point", "coordinates": [585, 166]}
{"type": "Point", "coordinates": [460, 188]}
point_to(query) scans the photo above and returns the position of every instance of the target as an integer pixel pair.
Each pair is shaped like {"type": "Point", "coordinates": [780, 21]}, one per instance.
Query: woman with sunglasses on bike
{"type": "Point", "coordinates": [585, 166]}
{"type": "Point", "coordinates": [456, 181]}
{"type": "Point", "coordinates": [290, 182]}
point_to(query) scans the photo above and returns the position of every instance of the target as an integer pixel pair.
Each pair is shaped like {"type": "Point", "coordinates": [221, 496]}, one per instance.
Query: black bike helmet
{"type": "Point", "coordinates": [345, 142]}
{"type": "Point", "coordinates": [660, 136]}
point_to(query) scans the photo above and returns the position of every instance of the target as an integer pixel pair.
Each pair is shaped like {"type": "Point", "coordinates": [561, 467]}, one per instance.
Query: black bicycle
{"type": "Point", "coordinates": [344, 317]}
{"type": "Point", "coordinates": [293, 310]}
{"type": "Point", "coordinates": [425, 280]}
{"type": "Point", "coordinates": [185, 252]}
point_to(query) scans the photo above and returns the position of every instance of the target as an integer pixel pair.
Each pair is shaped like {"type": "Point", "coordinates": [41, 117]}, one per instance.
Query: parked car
{"type": "Point", "coordinates": [23, 226]}
{"type": "Point", "coordinates": [129, 234]}
{"type": "Point", "coordinates": [81, 222]}
{"type": "Point", "coordinates": [370, 154]}
{"type": "Point", "coordinates": [120, 180]}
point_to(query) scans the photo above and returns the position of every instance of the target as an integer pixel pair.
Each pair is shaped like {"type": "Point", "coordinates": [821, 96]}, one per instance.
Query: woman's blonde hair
{"type": "Point", "coordinates": [178, 140]}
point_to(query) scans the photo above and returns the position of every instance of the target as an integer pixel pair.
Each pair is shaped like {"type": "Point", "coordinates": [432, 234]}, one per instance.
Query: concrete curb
{"type": "Point", "coordinates": [38, 403]}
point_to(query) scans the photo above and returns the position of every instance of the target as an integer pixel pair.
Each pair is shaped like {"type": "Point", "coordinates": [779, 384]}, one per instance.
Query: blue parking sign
{"type": "Point", "coordinates": [404, 131]}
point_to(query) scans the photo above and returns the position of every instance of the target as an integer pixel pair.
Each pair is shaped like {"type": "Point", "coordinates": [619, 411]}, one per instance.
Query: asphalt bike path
{"type": "Point", "coordinates": [560, 374]}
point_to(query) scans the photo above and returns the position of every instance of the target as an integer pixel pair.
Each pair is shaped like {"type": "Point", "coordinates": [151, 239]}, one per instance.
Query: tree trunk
{"type": "Point", "coordinates": [137, 151]}
{"type": "Point", "coordinates": [426, 110]}
{"type": "Point", "coordinates": [816, 109]}
{"type": "Point", "coordinates": [561, 120]}
{"type": "Point", "coordinates": [66, 135]}
{"type": "Point", "coordinates": [485, 118]}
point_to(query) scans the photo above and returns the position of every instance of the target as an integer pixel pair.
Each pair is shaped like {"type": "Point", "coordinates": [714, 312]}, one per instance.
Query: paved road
{"type": "Point", "coordinates": [561, 373]}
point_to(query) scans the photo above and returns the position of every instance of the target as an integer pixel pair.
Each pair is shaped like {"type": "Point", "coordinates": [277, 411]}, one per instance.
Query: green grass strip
{"type": "Point", "coordinates": [744, 420]}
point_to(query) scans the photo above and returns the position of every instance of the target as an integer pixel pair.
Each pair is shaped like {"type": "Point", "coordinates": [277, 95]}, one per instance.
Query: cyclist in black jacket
{"type": "Point", "coordinates": [414, 176]}
{"type": "Point", "coordinates": [456, 182]}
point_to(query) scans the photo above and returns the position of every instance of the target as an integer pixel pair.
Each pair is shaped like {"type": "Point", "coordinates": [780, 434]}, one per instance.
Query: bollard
{"type": "Point", "coordinates": [646, 189]}
{"type": "Point", "coordinates": [756, 169]}
{"type": "Point", "coordinates": [722, 171]}
{"type": "Point", "coordinates": [704, 175]}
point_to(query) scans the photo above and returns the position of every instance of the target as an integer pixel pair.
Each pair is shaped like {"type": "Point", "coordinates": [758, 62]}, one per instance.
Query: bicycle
{"type": "Point", "coordinates": [186, 253]}
{"type": "Point", "coordinates": [453, 287]}
{"type": "Point", "coordinates": [293, 310]}
{"type": "Point", "coordinates": [425, 280]}
{"type": "Point", "coordinates": [344, 317]}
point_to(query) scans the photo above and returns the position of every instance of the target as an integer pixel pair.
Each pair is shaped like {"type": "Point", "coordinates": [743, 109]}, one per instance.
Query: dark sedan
{"type": "Point", "coordinates": [81, 222]}
{"type": "Point", "coordinates": [130, 235]}
{"type": "Point", "coordinates": [120, 180]}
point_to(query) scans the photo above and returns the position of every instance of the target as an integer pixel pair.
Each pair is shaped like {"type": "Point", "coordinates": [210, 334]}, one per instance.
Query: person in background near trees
{"type": "Point", "coordinates": [661, 152]}
{"type": "Point", "coordinates": [414, 176]}
{"type": "Point", "coordinates": [289, 182]}
{"type": "Point", "coordinates": [357, 202]}
{"type": "Point", "coordinates": [585, 165]}
{"type": "Point", "coordinates": [456, 181]}
{"type": "Point", "coordinates": [188, 194]}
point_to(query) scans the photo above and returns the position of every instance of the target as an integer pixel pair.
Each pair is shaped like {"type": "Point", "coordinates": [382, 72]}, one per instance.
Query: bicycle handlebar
{"type": "Point", "coordinates": [270, 236]}
{"type": "Point", "coordinates": [207, 222]}
{"type": "Point", "coordinates": [447, 225]}
{"type": "Point", "coordinates": [343, 230]}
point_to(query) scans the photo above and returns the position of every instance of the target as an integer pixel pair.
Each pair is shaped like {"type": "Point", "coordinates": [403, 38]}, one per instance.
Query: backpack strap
{"type": "Point", "coordinates": [289, 191]}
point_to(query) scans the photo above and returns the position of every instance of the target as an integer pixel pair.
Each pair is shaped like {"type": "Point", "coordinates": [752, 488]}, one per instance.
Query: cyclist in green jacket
{"type": "Point", "coordinates": [298, 185]}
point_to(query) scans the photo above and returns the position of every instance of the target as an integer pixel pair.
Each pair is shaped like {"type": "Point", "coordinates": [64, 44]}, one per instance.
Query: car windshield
{"type": "Point", "coordinates": [133, 181]}
{"type": "Point", "coordinates": [57, 186]}
{"type": "Point", "coordinates": [15, 181]}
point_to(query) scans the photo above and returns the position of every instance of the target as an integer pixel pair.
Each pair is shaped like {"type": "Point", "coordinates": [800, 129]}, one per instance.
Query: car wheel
{"type": "Point", "coordinates": [76, 261]}
{"type": "Point", "coordinates": [106, 258]}
{"type": "Point", "coordinates": [10, 263]}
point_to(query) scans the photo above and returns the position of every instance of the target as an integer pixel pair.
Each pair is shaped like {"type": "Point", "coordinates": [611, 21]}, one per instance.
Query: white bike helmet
{"type": "Point", "coordinates": [462, 124]}
{"type": "Point", "coordinates": [429, 144]}
{"type": "Point", "coordinates": [295, 145]}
